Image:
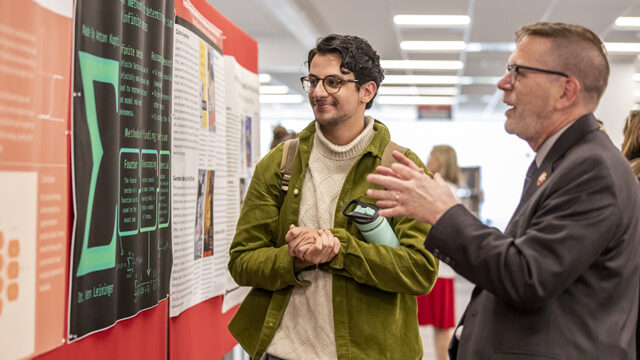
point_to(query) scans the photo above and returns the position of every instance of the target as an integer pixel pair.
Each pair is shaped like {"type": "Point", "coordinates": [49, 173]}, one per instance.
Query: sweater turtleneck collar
{"type": "Point", "coordinates": [332, 151]}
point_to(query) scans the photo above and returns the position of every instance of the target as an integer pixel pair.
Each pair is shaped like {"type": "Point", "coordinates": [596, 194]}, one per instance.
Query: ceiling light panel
{"type": "Point", "coordinates": [414, 90]}
{"type": "Point", "coordinates": [491, 47]}
{"type": "Point", "coordinates": [432, 20]}
{"type": "Point", "coordinates": [628, 21]}
{"type": "Point", "coordinates": [264, 78]}
{"type": "Point", "coordinates": [433, 45]}
{"type": "Point", "coordinates": [422, 64]}
{"type": "Point", "coordinates": [439, 80]}
{"type": "Point", "coordinates": [416, 100]}
{"type": "Point", "coordinates": [480, 80]}
{"type": "Point", "coordinates": [274, 89]}
{"type": "Point", "coordinates": [620, 47]}
{"type": "Point", "coordinates": [420, 79]}
{"type": "Point", "coordinates": [281, 99]}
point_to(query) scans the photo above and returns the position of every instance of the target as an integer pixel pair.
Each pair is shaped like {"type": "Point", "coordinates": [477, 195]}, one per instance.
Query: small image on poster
{"type": "Point", "coordinates": [246, 140]}
{"type": "Point", "coordinates": [208, 216]}
{"type": "Point", "coordinates": [198, 230]}
{"type": "Point", "coordinates": [211, 90]}
{"type": "Point", "coordinates": [207, 88]}
{"type": "Point", "coordinates": [243, 190]}
{"type": "Point", "coordinates": [203, 108]}
{"type": "Point", "coordinates": [203, 230]}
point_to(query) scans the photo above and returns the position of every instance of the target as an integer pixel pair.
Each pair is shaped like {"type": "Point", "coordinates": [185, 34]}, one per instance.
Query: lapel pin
{"type": "Point", "coordinates": [542, 178]}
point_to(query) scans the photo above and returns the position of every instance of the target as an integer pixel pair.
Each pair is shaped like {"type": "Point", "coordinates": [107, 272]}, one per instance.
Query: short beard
{"type": "Point", "coordinates": [532, 137]}
{"type": "Point", "coordinates": [335, 121]}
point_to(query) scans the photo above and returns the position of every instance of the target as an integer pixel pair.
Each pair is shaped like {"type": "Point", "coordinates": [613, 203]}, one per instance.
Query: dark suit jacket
{"type": "Point", "coordinates": [562, 281]}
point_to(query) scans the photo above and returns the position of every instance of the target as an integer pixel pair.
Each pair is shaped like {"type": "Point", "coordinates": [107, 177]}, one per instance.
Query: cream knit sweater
{"type": "Point", "coordinates": [307, 331]}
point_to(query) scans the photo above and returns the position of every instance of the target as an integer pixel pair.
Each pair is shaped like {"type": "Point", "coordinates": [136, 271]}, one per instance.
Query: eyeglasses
{"type": "Point", "coordinates": [514, 71]}
{"type": "Point", "coordinates": [331, 83]}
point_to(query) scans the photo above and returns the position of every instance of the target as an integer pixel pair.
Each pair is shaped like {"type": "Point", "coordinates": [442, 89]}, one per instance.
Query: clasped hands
{"type": "Point", "coordinates": [311, 246]}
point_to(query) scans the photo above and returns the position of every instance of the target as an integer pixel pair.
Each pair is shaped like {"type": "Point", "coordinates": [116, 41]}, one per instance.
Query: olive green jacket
{"type": "Point", "coordinates": [374, 286]}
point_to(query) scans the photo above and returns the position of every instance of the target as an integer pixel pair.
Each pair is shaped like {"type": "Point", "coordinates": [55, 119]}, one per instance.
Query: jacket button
{"type": "Point", "coordinates": [295, 191]}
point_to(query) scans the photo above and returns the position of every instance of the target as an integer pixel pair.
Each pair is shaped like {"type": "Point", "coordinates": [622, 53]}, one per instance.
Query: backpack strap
{"type": "Point", "coordinates": [286, 165]}
{"type": "Point", "coordinates": [387, 158]}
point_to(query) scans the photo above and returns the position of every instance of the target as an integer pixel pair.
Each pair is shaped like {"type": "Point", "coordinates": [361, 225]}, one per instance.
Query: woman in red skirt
{"type": "Point", "coordinates": [437, 307]}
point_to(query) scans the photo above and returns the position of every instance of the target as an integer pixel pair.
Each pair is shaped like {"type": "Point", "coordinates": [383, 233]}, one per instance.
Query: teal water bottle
{"type": "Point", "coordinates": [372, 226]}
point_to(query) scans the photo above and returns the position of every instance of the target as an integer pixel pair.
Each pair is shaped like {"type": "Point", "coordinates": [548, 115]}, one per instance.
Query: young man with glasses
{"type": "Point", "coordinates": [319, 290]}
{"type": "Point", "coordinates": [562, 281]}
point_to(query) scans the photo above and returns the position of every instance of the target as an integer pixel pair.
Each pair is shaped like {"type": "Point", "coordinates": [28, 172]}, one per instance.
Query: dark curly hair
{"type": "Point", "coordinates": [358, 56]}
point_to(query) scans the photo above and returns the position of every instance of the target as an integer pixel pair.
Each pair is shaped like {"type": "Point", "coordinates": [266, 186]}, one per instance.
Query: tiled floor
{"type": "Point", "coordinates": [463, 290]}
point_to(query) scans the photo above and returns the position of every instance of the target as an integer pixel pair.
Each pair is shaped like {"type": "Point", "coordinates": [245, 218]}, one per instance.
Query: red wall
{"type": "Point", "coordinates": [143, 337]}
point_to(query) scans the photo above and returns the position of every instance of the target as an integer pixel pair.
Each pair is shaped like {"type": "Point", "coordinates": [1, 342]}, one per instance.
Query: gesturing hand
{"type": "Point", "coordinates": [410, 192]}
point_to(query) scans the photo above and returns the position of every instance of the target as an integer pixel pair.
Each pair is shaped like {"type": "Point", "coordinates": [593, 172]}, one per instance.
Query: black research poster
{"type": "Point", "coordinates": [121, 258]}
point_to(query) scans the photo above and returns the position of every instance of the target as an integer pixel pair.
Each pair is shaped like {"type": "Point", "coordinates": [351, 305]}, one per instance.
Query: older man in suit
{"type": "Point", "coordinates": [562, 281]}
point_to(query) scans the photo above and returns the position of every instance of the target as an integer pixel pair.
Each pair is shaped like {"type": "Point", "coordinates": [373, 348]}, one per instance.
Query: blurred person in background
{"type": "Point", "coordinates": [280, 134]}
{"type": "Point", "coordinates": [438, 307]}
{"type": "Point", "coordinates": [631, 142]}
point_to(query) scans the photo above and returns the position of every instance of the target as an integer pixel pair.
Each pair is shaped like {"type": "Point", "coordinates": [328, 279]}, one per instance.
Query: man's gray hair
{"type": "Point", "coordinates": [577, 51]}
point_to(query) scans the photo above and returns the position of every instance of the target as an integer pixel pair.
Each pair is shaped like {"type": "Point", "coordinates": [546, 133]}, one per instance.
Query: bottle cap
{"type": "Point", "coordinates": [363, 213]}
